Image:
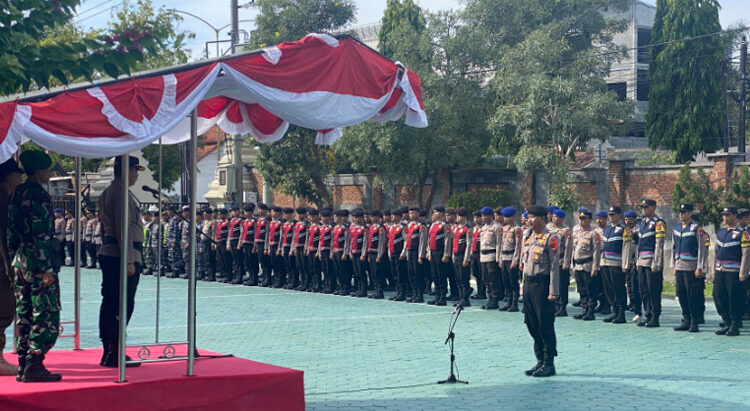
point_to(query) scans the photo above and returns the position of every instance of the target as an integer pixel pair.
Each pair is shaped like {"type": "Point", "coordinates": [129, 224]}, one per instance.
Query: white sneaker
{"type": "Point", "coordinates": [636, 318]}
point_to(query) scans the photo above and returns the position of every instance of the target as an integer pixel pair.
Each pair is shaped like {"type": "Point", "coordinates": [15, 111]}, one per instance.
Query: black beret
{"type": "Point", "coordinates": [249, 207]}
{"type": "Point", "coordinates": [325, 213]}
{"type": "Point", "coordinates": [338, 213]}
{"type": "Point", "coordinates": [8, 167]}
{"type": "Point", "coordinates": [345, 213]}
{"type": "Point", "coordinates": [208, 210]}
{"type": "Point", "coordinates": [301, 210]}
{"type": "Point", "coordinates": [537, 210]}
{"type": "Point", "coordinates": [742, 212]}
{"type": "Point", "coordinates": [404, 209]}
{"type": "Point", "coordinates": [199, 212]}
{"type": "Point", "coordinates": [462, 212]}
{"type": "Point", "coordinates": [729, 210]}
{"type": "Point", "coordinates": [450, 211]}
{"type": "Point", "coordinates": [235, 208]}
{"type": "Point", "coordinates": [276, 208]}
{"type": "Point", "coordinates": [439, 209]}
{"type": "Point", "coordinates": [313, 211]}
{"type": "Point", "coordinates": [357, 213]}
{"type": "Point", "coordinates": [413, 208]}
{"type": "Point", "coordinates": [376, 213]}
{"type": "Point", "coordinates": [288, 210]}
{"type": "Point", "coordinates": [476, 214]}
{"type": "Point", "coordinates": [686, 207]}
{"type": "Point", "coordinates": [262, 206]}
{"type": "Point", "coordinates": [223, 211]}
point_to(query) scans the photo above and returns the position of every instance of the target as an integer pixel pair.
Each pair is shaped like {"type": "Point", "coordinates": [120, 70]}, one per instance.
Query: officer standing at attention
{"type": "Point", "coordinates": [110, 202]}
{"type": "Point", "coordinates": [731, 269]}
{"type": "Point", "coordinates": [649, 263]}
{"type": "Point", "coordinates": [510, 257]}
{"type": "Point", "coordinates": [490, 243]}
{"type": "Point", "coordinates": [185, 241]}
{"type": "Point", "coordinates": [587, 249]}
{"type": "Point", "coordinates": [60, 231]}
{"type": "Point", "coordinates": [631, 277]}
{"type": "Point", "coordinates": [613, 266]}
{"type": "Point", "coordinates": [541, 287]}
{"type": "Point", "coordinates": [37, 288]}
{"type": "Point", "coordinates": [690, 260]}
{"type": "Point", "coordinates": [474, 266]}
{"type": "Point", "coordinates": [566, 254]}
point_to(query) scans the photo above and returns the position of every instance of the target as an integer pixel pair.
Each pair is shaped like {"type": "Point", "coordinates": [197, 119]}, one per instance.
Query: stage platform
{"type": "Point", "coordinates": [219, 384]}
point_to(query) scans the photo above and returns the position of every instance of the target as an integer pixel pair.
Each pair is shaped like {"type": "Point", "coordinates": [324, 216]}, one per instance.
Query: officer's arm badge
{"type": "Point", "coordinates": [553, 245]}
{"type": "Point", "coordinates": [627, 235]}
{"type": "Point", "coordinates": [745, 242]}
{"type": "Point", "coordinates": [661, 232]}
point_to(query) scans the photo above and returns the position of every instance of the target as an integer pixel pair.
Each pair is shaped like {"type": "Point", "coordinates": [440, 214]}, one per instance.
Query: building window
{"type": "Point", "coordinates": [643, 85]}
{"type": "Point", "coordinates": [222, 177]}
{"type": "Point", "coordinates": [644, 39]}
{"type": "Point", "coordinates": [621, 89]}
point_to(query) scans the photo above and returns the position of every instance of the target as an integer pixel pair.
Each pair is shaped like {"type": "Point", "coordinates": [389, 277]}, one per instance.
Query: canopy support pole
{"type": "Point", "coordinates": [159, 246]}
{"type": "Point", "coordinates": [191, 270]}
{"type": "Point", "coordinates": [124, 238]}
{"type": "Point", "coordinates": [77, 257]}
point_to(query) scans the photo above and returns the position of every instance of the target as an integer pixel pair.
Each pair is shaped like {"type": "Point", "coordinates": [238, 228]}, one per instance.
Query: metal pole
{"type": "Point", "coordinates": [237, 151]}
{"type": "Point", "coordinates": [124, 225]}
{"type": "Point", "coordinates": [76, 258]}
{"type": "Point", "coordinates": [743, 99]}
{"type": "Point", "coordinates": [218, 50]}
{"type": "Point", "coordinates": [191, 275]}
{"type": "Point", "coordinates": [158, 247]}
{"type": "Point", "coordinates": [726, 109]}
{"type": "Point", "coordinates": [235, 25]}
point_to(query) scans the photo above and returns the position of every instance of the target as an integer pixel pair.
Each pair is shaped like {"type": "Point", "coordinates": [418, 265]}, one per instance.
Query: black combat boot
{"type": "Point", "coordinates": [584, 309]}
{"type": "Point", "coordinates": [546, 370]}
{"type": "Point", "coordinates": [441, 300]}
{"type": "Point", "coordinates": [684, 325]}
{"type": "Point", "coordinates": [533, 369]}
{"type": "Point", "coordinates": [612, 316]}
{"type": "Point", "coordinates": [34, 370]}
{"type": "Point", "coordinates": [588, 315]}
{"type": "Point", "coordinates": [480, 295]}
{"type": "Point", "coordinates": [418, 297]}
{"type": "Point", "coordinates": [21, 365]}
{"type": "Point", "coordinates": [653, 322]}
{"type": "Point", "coordinates": [620, 318]}
{"type": "Point", "coordinates": [507, 305]}
{"type": "Point", "coordinates": [561, 311]}
{"type": "Point", "coordinates": [693, 326]}
{"type": "Point", "coordinates": [733, 329]}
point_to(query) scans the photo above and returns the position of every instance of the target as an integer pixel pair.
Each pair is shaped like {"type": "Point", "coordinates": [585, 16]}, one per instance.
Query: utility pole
{"type": "Point", "coordinates": [726, 108]}
{"type": "Point", "coordinates": [743, 97]}
{"type": "Point", "coordinates": [237, 150]}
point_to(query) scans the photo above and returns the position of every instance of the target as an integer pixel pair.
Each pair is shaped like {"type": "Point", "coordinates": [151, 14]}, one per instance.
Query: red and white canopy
{"type": "Point", "coordinates": [319, 82]}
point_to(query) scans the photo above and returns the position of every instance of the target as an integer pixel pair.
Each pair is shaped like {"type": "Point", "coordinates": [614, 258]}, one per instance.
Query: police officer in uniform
{"type": "Point", "coordinates": [259, 244]}
{"type": "Point", "coordinates": [340, 253]}
{"type": "Point", "coordinates": [10, 177]}
{"type": "Point", "coordinates": [311, 251]}
{"type": "Point", "coordinates": [613, 266]}
{"type": "Point", "coordinates": [510, 255]}
{"type": "Point", "coordinates": [631, 277]}
{"type": "Point", "coordinates": [649, 263]}
{"type": "Point", "coordinates": [376, 239]}
{"type": "Point", "coordinates": [185, 241]}
{"type": "Point", "coordinates": [690, 261]}
{"type": "Point", "coordinates": [175, 246]}
{"type": "Point", "coordinates": [60, 231]}
{"type": "Point", "coordinates": [299, 243]}
{"type": "Point", "coordinates": [587, 247]}
{"type": "Point", "coordinates": [541, 287]}
{"type": "Point", "coordinates": [37, 288]}
{"type": "Point", "coordinates": [566, 254]}
{"type": "Point", "coordinates": [246, 244]}
{"type": "Point", "coordinates": [396, 235]}
{"type": "Point", "coordinates": [461, 256]}
{"type": "Point", "coordinates": [273, 250]}
{"type": "Point", "coordinates": [70, 224]}
{"type": "Point", "coordinates": [731, 269]}
{"type": "Point", "coordinates": [221, 231]}
{"type": "Point", "coordinates": [109, 257]}
{"type": "Point", "coordinates": [232, 246]}
{"type": "Point", "coordinates": [490, 243]}
{"type": "Point", "coordinates": [437, 255]}
{"type": "Point", "coordinates": [475, 268]}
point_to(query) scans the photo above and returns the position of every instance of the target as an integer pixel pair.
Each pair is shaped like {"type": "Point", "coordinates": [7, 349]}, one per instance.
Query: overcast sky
{"type": "Point", "coordinates": [96, 13]}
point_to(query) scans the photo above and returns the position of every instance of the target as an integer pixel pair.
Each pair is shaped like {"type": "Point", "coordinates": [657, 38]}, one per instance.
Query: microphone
{"type": "Point", "coordinates": [150, 190]}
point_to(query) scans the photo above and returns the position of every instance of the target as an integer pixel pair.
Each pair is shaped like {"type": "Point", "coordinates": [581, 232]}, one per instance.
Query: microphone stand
{"type": "Point", "coordinates": [451, 336]}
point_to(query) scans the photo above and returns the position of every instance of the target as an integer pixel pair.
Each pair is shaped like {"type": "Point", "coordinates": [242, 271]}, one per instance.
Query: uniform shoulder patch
{"type": "Point", "coordinates": [660, 230]}
{"type": "Point", "coordinates": [553, 245]}
{"type": "Point", "coordinates": [745, 242]}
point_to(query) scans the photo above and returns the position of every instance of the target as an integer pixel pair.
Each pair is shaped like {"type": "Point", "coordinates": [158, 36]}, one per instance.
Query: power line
{"type": "Point", "coordinates": [79, 21]}
{"type": "Point", "coordinates": [94, 7]}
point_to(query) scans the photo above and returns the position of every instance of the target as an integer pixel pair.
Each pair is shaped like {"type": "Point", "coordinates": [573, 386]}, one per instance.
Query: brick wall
{"type": "Point", "coordinates": [617, 180]}
{"type": "Point", "coordinates": [349, 194]}
{"type": "Point", "coordinates": [654, 183]}
{"type": "Point", "coordinates": [587, 192]}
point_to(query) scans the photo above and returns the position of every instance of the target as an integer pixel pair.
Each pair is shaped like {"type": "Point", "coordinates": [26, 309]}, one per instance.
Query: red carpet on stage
{"type": "Point", "coordinates": [218, 384]}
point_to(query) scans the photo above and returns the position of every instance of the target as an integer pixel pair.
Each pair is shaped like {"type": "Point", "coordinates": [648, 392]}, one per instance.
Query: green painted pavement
{"type": "Point", "coordinates": [360, 354]}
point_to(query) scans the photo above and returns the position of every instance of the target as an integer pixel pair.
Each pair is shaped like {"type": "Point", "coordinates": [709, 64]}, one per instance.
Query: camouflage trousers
{"type": "Point", "coordinates": [175, 260]}
{"type": "Point", "coordinates": [149, 260]}
{"type": "Point", "coordinates": [201, 262]}
{"type": "Point", "coordinates": [38, 311]}
{"type": "Point", "coordinates": [186, 260]}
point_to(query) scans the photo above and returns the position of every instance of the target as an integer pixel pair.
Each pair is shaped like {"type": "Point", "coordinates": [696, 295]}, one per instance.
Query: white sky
{"type": "Point", "coordinates": [96, 13]}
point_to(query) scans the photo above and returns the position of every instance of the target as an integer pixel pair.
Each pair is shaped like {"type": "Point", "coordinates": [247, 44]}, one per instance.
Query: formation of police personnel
{"type": "Point", "coordinates": [91, 236]}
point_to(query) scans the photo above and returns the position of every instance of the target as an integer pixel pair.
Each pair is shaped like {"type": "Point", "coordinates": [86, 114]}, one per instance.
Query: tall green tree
{"type": "Point", "coordinates": [685, 96]}
{"type": "Point", "coordinates": [295, 165]}
{"type": "Point", "coordinates": [697, 189]}
{"type": "Point", "coordinates": [29, 59]}
{"type": "Point", "coordinates": [398, 14]}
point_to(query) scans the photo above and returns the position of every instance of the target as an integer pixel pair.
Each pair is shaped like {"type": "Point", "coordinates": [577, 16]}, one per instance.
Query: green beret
{"type": "Point", "coordinates": [35, 160]}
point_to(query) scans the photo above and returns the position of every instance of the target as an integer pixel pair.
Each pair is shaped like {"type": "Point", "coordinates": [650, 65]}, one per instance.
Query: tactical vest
{"type": "Point", "coordinates": [395, 239]}
{"type": "Point", "coordinates": [325, 237]}
{"type": "Point", "coordinates": [685, 242]}
{"type": "Point", "coordinates": [612, 249]}
{"type": "Point", "coordinates": [437, 233]}
{"type": "Point", "coordinates": [373, 237]}
{"type": "Point", "coordinates": [412, 235]}
{"type": "Point", "coordinates": [728, 248]}
{"type": "Point", "coordinates": [338, 240]}
{"type": "Point", "coordinates": [647, 237]}
{"type": "Point", "coordinates": [459, 239]}
{"type": "Point", "coordinates": [356, 238]}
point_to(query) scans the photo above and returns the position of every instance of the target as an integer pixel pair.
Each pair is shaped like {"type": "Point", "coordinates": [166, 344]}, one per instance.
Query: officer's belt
{"type": "Point", "coordinates": [536, 278]}
{"type": "Point", "coordinates": [583, 260]}
{"type": "Point", "coordinates": [112, 240]}
{"type": "Point", "coordinates": [485, 252]}
{"type": "Point", "coordinates": [508, 252]}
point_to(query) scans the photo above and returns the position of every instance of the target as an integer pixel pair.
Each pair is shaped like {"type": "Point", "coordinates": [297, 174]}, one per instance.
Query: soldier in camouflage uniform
{"type": "Point", "coordinates": [164, 249]}
{"type": "Point", "coordinates": [30, 229]}
{"type": "Point", "coordinates": [201, 256]}
{"type": "Point", "coordinates": [153, 242]}
{"type": "Point", "coordinates": [184, 241]}
{"type": "Point", "coordinates": [147, 255]}
{"type": "Point", "coordinates": [173, 245]}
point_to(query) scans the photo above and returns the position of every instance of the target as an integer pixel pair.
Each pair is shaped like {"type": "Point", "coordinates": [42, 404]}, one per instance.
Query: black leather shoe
{"type": "Point", "coordinates": [545, 371]}
{"type": "Point", "coordinates": [653, 322]}
{"type": "Point", "coordinates": [733, 330]}
{"type": "Point", "coordinates": [110, 361]}
{"type": "Point", "coordinates": [561, 313]}
{"type": "Point", "coordinates": [506, 307]}
{"type": "Point", "coordinates": [684, 326]}
{"type": "Point", "coordinates": [533, 369]}
{"type": "Point", "coordinates": [643, 322]}
{"type": "Point", "coordinates": [432, 302]}
{"type": "Point", "coordinates": [480, 296]}
{"type": "Point", "coordinates": [452, 297]}
{"type": "Point", "coordinates": [513, 308]}
{"type": "Point", "coordinates": [721, 331]}
{"type": "Point", "coordinates": [693, 327]}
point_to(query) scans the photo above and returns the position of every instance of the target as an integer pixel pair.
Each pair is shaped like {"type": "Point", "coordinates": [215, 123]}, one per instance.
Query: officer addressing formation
{"type": "Point", "coordinates": [616, 260]}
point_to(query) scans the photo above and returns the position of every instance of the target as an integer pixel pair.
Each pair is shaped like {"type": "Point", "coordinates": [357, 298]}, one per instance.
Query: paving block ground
{"type": "Point", "coordinates": [361, 354]}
